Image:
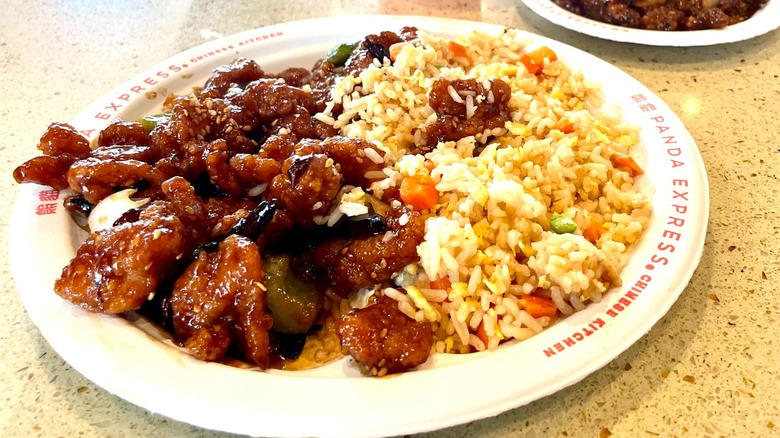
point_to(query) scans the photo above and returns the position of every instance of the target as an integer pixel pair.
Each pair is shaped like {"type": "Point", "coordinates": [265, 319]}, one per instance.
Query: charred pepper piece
{"type": "Point", "coordinates": [294, 303]}
{"type": "Point", "coordinates": [250, 226]}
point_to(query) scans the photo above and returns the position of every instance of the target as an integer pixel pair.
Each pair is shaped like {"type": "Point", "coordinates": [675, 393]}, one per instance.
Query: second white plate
{"type": "Point", "coordinates": [764, 21]}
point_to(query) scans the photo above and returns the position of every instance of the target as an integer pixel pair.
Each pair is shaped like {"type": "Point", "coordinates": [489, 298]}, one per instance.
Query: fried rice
{"type": "Point", "coordinates": [489, 235]}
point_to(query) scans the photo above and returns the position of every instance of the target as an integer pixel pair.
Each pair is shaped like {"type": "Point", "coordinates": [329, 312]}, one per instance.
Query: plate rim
{"type": "Point", "coordinates": [362, 428]}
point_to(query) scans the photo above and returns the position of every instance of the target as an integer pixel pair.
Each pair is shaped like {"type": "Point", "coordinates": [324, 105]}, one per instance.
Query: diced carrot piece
{"type": "Point", "coordinates": [442, 283]}
{"type": "Point", "coordinates": [539, 54]}
{"type": "Point", "coordinates": [419, 191]}
{"type": "Point", "coordinates": [565, 125]}
{"type": "Point", "coordinates": [539, 306]}
{"type": "Point", "coordinates": [529, 64]}
{"type": "Point", "coordinates": [593, 232]}
{"type": "Point", "coordinates": [534, 60]}
{"type": "Point", "coordinates": [625, 161]}
{"type": "Point", "coordinates": [459, 50]}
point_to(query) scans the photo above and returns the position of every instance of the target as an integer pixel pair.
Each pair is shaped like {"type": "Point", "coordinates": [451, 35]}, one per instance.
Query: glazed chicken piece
{"type": "Point", "coordinates": [62, 146]}
{"type": "Point", "coordinates": [313, 174]}
{"type": "Point", "coordinates": [351, 154]}
{"type": "Point", "coordinates": [220, 301]}
{"type": "Point", "coordinates": [308, 183]}
{"type": "Point", "coordinates": [45, 170]}
{"type": "Point", "coordinates": [119, 268]}
{"type": "Point", "coordinates": [489, 109]}
{"type": "Point", "coordinates": [351, 264]}
{"type": "Point", "coordinates": [97, 178]}
{"type": "Point", "coordinates": [121, 133]}
{"type": "Point", "coordinates": [300, 124]}
{"type": "Point", "coordinates": [239, 73]}
{"type": "Point", "coordinates": [376, 46]}
{"type": "Point", "coordinates": [384, 339]}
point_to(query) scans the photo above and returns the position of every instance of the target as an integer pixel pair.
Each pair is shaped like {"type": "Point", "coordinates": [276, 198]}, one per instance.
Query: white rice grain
{"type": "Point", "coordinates": [477, 343]}
{"type": "Point", "coordinates": [396, 295]}
{"type": "Point", "coordinates": [373, 155]}
{"type": "Point", "coordinates": [375, 174]}
{"type": "Point", "coordinates": [324, 118]}
{"type": "Point", "coordinates": [470, 108]}
{"type": "Point", "coordinates": [529, 321]}
{"type": "Point", "coordinates": [576, 302]}
{"type": "Point", "coordinates": [257, 190]}
{"type": "Point", "coordinates": [454, 94]}
{"type": "Point", "coordinates": [434, 295]}
{"type": "Point", "coordinates": [475, 279]}
{"type": "Point", "coordinates": [388, 236]}
{"type": "Point", "coordinates": [460, 328]}
{"type": "Point", "coordinates": [560, 302]}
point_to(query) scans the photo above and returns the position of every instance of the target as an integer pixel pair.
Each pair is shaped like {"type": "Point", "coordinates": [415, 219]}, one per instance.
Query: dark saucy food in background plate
{"type": "Point", "coordinates": [667, 15]}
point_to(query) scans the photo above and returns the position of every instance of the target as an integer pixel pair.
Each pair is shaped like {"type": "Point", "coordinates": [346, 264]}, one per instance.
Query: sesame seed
{"type": "Point", "coordinates": [388, 235]}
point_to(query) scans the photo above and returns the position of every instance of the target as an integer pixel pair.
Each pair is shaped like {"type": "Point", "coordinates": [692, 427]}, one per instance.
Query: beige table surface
{"type": "Point", "coordinates": [709, 367]}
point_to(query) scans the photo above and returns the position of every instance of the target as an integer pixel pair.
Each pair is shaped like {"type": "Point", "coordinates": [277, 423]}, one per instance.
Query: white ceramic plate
{"type": "Point", "coordinates": [764, 21]}
{"type": "Point", "coordinates": [334, 400]}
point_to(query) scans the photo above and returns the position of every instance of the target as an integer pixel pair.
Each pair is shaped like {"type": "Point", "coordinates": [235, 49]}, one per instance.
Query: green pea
{"type": "Point", "coordinates": [562, 224]}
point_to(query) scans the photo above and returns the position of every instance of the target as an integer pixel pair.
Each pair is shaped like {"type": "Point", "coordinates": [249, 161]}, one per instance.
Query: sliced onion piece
{"type": "Point", "coordinates": [111, 208]}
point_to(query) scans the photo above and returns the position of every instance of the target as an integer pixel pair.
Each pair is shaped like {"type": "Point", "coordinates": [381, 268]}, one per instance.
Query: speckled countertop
{"type": "Point", "coordinates": [709, 367]}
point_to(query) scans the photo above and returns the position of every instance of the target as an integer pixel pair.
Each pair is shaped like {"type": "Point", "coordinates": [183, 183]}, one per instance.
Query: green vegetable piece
{"type": "Point", "coordinates": [294, 303]}
{"type": "Point", "coordinates": [562, 224]}
{"type": "Point", "coordinates": [150, 122]}
{"type": "Point", "coordinates": [339, 54]}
